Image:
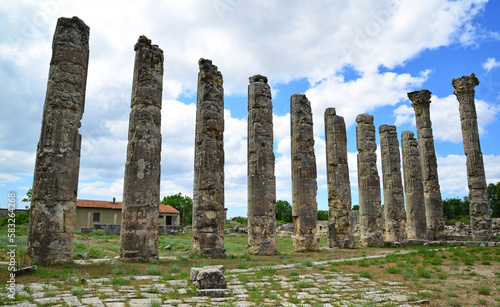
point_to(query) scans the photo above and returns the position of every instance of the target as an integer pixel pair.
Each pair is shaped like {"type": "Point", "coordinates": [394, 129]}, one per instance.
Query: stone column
{"type": "Point", "coordinates": [261, 180]}
{"type": "Point", "coordinates": [420, 101]}
{"type": "Point", "coordinates": [304, 185]}
{"type": "Point", "coordinates": [55, 182]}
{"type": "Point", "coordinates": [208, 187]}
{"type": "Point", "coordinates": [339, 188]}
{"type": "Point", "coordinates": [480, 213]}
{"type": "Point", "coordinates": [141, 188]}
{"type": "Point", "coordinates": [394, 204]}
{"type": "Point", "coordinates": [370, 210]}
{"type": "Point", "coordinates": [416, 224]}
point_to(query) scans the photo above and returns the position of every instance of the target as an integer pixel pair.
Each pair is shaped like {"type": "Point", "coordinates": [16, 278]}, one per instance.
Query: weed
{"type": "Point", "coordinates": [77, 291]}
{"type": "Point", "coordinates": [483, 289]}
{"type": "Point", "coordinates": [482, 301]}
{"type": "Point", "coordinates": [153, 270]}
{"type": "Point", "coordinates": [307, 263]}
{"type": "Point", "coordinates": [422, 272]}
{"type": "Point", "coordinates": [364, 274]}
{"type": "Point", "coordinates": [294, 273]}
{"type": "Point", "coordinates": [393, 270]}
{"type": "Point", "coordinates": [453, 302]}
{"type": "Point", "coordinates": [442, 276]}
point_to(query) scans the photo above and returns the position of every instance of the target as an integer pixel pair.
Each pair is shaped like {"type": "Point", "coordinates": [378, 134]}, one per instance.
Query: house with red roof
{"type": "Point", "coordinates": [90, 212]}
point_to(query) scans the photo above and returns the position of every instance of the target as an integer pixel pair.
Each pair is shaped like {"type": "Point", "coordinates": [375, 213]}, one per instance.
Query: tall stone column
{"type": "Point", "coordinates": [208, 188]}
{"type": "Point", "coordinates": [416, 224]}
{"type": "Point", "coordinates": [141, 187]}
{"type": "Point", "coordinates": [261, 180]}
{"type": "Point", "coordinates": [420, 101]}
{"type": "Point", "coordinates": [304, 185]}
{"type": "Point", "coordinates": [370, 210]}
{"type": "Point", "coordinates": [480, 213]}
{"type": "Point", "coordinates": [55, 182]}
{"type": "Point", "coordinates": [394, 204]}
{"type": "Point", "coordinates": [339, 188]}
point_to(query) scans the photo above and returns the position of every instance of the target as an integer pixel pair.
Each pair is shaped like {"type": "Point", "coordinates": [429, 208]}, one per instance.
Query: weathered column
{"type": "Point", "coordinates": [394, 204]}
{"type": "Point", "coordinates": [208, 187]}
{"type": "Point", "coordinates": [141, 188]}
{"type": "Point", "coordinates": [480, 213]}
{"type": "Point", "coordinates": [370, 210]}
{"type": "Point", "coordinates": [261, 180]}
{"type": "Point", "coordinates": [55, 182]}
{"type": "Point", "coordinates": [304, 185]}
{"type": "Point", "coordinates": [339, 188]}
{"type": "Point", "coordinates": [416, 224]}
{"type": "Point", "coordinates": [420, 101]}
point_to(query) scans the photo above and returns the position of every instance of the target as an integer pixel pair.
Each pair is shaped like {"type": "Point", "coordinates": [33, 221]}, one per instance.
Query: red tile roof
{"type": "Point", "coordinates": [85, 203]}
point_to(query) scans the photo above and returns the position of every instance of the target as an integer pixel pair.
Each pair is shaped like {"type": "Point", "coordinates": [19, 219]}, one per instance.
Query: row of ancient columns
{"type": "Point", "coordinates": [55, 183]}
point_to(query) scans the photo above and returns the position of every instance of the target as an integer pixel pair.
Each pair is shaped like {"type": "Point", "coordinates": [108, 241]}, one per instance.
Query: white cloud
{"type": "Point", "coordinates": [285, 41]}
{"type": "Point", "coordinates": [364, 94]}
{"type": "Point", "coordinates": [445, 117]}
{"type": "Point", "coordinates": [490, 64]}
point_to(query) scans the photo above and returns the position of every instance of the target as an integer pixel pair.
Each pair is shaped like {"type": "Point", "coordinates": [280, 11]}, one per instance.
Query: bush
{"type": "Point", "coordinates": [240, 220]}
{"type": "Point", "coordinates": [21, 218]}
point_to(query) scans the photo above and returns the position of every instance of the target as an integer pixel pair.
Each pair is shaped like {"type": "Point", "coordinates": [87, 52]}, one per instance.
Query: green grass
{"type": "Point", "coordinates": [393, 270]}
{"type": "Point", "coordinates": [77, 291]}
{"type": "Point", "coordinates": [154, 270]}
{"type": "Point", "coordinates": [483, 290]}
{"type": "Point", "coordinates": [365, 274]}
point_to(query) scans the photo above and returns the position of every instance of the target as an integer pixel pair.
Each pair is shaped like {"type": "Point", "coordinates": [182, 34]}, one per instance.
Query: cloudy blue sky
{"type": "Point", "coordinates": [356, 56]}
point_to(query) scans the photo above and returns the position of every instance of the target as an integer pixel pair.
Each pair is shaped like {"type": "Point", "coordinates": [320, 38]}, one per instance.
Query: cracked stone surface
{"type": "Point", "coordinates": [394, 203]}
{"type": "Point", "coordinates": [420, 101]}
{"type": "Point", "coordinates": [208, 188]}
{"type": "Point", "coordinates": [340, 232]}
{"type": "Point", "coordinates": [416, 224]}
{"type": "Point", "coordinates": [480, 213]}
{"type": "Point", "coordinates": [370, 209]}
{"type": "Point", "coordinates": [262, 237]}
{"type": "Point", "coordinates": [55, 182]}
{"type": "Point", "coordinates": [141, 190]}
{"type": "Point", "coordinates": [304, 184]}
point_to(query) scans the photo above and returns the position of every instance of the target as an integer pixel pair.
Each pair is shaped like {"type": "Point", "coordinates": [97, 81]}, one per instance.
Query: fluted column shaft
{"type": "Point", "coordinates": [480, 213]}
{"type": "Point", "coordinates": [432, 194]}
{"type": "Point", "coordinates": [262, 237]}
{"type": "Point", "coordinates": [339, 188]}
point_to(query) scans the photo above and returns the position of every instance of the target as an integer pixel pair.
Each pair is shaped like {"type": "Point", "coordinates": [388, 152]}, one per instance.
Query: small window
{"type": "Point", "coordinates": [161, 216]}
{"type": "Point", "coordinates": [96, 217]}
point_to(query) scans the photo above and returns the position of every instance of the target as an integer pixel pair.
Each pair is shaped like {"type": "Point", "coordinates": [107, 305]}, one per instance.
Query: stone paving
{"type": "Point", "coordinates": [249, 288]}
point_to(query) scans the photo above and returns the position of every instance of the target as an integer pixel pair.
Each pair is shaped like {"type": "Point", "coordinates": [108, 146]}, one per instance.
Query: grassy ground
{"type": "Point", "coordinates": [462, 276]}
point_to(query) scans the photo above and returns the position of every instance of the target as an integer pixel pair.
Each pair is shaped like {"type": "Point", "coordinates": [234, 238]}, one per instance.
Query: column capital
{"type": "Point", "coordinates": [258, 78]}
{"type": "Point", "coordinates": [465, 84]}
{"type": "Point", "coordinates": [419, 98]}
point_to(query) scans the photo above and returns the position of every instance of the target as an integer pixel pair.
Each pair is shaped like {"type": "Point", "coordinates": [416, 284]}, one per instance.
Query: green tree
{"type": "Point", "coordinates": [322, 215]}
{"type": "Point", "coordinates": [494, 199]}
{"type": "Point", "coordinates": [284, 211]}
{"type": "Point", "coordinates": [27, 199]}
{"type": "Point", "coordinates": [182, 203]}
{"type": "Point", "coordinates": [456, 208]}
{"type": "Point", "coordinates": [355, 207]}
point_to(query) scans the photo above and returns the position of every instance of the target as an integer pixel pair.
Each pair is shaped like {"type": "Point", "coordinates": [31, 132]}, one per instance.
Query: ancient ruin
{"type": "Point", "coordinates": [208, 188]}
{"type": "Point", "coordinates": [394, 204]}
{"type": "Point", "coordinates": [420, 101]}
{"type": "Point", "coordinates": [262, 237]}
{"type": "Point", "coordinates": [416, 225]}
{"type": "Point", "coordinates": [304, 185]}
{"type": "Point", "coordinates": [370, 210]}
{"type": "Point", "coordinates": [339, 188]}
{"type": "Point", "coordinates": [141, 188]}
{"type": "Point", "coordinates": [480, 213]}
{"type": "Point", "coordinates": [55, 181]}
